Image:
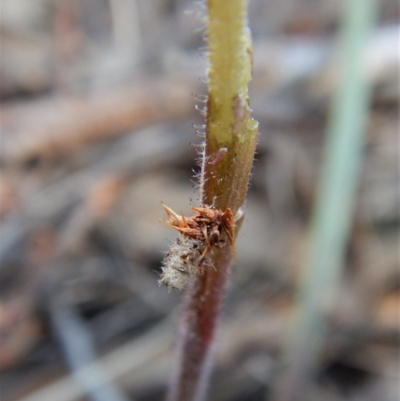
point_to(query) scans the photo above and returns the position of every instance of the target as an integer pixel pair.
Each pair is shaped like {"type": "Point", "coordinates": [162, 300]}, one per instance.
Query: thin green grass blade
{"type": "Point", "coordinates": [334, 210]}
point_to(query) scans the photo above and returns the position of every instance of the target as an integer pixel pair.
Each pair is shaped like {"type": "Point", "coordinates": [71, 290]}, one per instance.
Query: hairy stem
{"type": "Point", "coordinates": [231, 136]}
{"type": "Point", "coordinates": [230, 130]}
{"type": "Point", "coordinates": [199, 318]}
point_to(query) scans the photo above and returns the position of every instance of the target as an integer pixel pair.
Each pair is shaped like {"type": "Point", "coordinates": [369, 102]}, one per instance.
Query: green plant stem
{"type": "Point", "coordinates": [231, 136]}
{"type": "Point", "coordinates": [336, 195]}
{"type": "Point", "coordinates": [229, 124]}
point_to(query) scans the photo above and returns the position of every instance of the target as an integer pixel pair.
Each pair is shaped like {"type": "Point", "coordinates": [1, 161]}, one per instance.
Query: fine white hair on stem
{"type": "Point", "coordinates": [201, 110]}
{"type": "Point", "coordinates": [202, 159]}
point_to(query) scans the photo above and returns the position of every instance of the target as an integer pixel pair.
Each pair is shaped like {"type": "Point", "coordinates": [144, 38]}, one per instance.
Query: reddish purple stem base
{"type": "Point", "coordinates": [197, 330]}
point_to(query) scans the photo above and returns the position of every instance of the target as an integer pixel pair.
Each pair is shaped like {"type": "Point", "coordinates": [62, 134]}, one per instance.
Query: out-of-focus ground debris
{"type": "Point", "coordinates": [97, 108]}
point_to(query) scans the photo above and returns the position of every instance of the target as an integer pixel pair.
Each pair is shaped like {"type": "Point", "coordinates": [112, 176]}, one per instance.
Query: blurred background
{"type": "Point", "coordinates": [97, 116]}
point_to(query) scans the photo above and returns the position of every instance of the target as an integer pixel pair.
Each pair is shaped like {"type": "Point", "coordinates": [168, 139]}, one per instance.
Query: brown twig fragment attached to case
{"type": "Point", "coordinates": [187, 256]}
